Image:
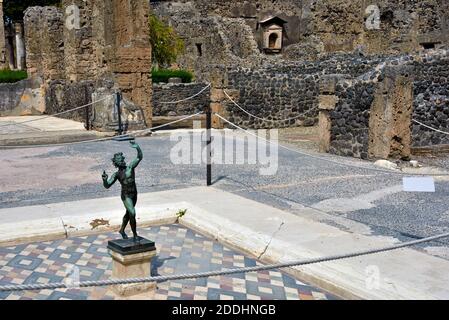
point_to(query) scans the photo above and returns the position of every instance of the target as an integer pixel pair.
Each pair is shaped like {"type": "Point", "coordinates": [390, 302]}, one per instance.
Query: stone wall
{"type": "Point", "coordinates": [21, 98]}
{"type": "Point", "coordinates": [350, 119]}
{"type": "Point", "coordinates": [111, 42]}
{"type": "Point", "coordinates": [209, 40]}
{"type": "Point", "coordinates": [431, 105]}
{"type": "Point", "coordinates": [45, 42]}
{"type": "Point", "coordinates": [288, 90]}
{"type": "Point", "coordinates": [250, 12]}
{"type": "Point", "coordinates": [273, 94]}
{"type": "Point", "coordinates": [63, 95]}
{"type": "Point", "coordinates": [403, 25]}
{"type": "Point", "coordinates": [3, 59]}
{"type": "Point", "coordinates": [370, 116]}
{"type": "Point", "coordinates": [317, 27]}
{"type": "Point", "coordinates": [166, 92]}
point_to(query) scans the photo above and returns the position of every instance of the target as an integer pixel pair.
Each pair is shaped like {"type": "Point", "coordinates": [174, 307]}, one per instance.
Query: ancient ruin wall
{"type": "Point", "coordinates": [111, 42]}
{"type": "Point", "coordinates": [288, 90]}
{"type": "Point", "coordinates": [431, 106]}
{"type": "Point", "coordinates": [368, 117]}
{"type": "Point", "coordinates": [167, 92]}
{"type": "Point", "coordinates": [396, 26]}
{"type": "Point", "coordinates": [3, 60]}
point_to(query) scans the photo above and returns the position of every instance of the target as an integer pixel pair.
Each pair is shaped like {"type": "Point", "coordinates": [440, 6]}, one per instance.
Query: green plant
{"type": "Point", "coordinates": [166, 44]}
{"type": "Point", "coordinates": [11, 76]}
{"type": "Point", "coordinates": [181, 213]}
{"type": "Point", "coordinates": [162, 75]}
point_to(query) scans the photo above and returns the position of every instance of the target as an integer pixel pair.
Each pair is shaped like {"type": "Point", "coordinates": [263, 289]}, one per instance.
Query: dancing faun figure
{"type": "Point", "coordinates": [126, 176]}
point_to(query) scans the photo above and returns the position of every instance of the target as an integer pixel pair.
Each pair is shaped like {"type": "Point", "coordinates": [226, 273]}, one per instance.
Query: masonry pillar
{"type": "Point", "coordinates": [327, 102]}
{"type": "Point", "coordinates": [131, 54]}
{"type": "Point", "coordinates": [391, 115]}
{"type": "Point", "coordinates": [20, 46]}
{"type": "Point", "coordinates": [3, 58]}
{"type": "Point", "coordinates": [218, 99]}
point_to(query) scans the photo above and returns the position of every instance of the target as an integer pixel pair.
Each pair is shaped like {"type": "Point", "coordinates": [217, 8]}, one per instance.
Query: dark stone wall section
{"type": "Point", "coordinates": [290, 90]}
{"type": "Point", "coordinates": [431, 106]}
{"type": "Point", "coordinates": [176, 92]}
{"type": "Point", "coordinates": [350, 120]}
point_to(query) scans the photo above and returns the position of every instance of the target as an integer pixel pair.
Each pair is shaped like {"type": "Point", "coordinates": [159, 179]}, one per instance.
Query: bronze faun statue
{"type": "Point", "coordinates": [126, 176]}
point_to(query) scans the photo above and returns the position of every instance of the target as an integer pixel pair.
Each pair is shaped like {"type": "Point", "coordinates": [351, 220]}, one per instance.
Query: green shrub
{"type": "Point", "coordinates": [165, 42]}
{"type": "Point", "coordinates": [11, 76]}
{"type": "Point", "coordinates": [162, 75]}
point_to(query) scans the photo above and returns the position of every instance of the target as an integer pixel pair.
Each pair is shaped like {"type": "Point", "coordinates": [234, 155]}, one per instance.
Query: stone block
{"type": "Point", "coordinates": [132, 260]}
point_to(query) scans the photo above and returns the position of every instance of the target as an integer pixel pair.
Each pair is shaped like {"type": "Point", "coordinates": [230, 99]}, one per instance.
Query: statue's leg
{"type": "Point", "coordinates": [124, 224]}
{"type": "Point", "coordinates": [129, 204]}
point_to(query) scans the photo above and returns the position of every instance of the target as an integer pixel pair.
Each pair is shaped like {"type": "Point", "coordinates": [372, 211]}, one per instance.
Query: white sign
{"type": "Point", "coordinates": [419, 184]}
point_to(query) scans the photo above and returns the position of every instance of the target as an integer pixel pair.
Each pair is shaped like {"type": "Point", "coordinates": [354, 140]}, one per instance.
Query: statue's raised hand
{"type": "Point", "coordinates": [134, 144]}
{"type": "Point", "coordinates": [104, 175]}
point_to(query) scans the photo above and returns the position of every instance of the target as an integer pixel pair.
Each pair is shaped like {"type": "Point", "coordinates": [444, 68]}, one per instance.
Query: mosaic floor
{"type": "Point", "coordinates": [180, 250]}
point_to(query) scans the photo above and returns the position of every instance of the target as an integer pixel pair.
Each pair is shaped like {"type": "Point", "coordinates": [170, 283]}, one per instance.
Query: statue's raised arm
{"type": "Point", "coordinates": [139, 158]}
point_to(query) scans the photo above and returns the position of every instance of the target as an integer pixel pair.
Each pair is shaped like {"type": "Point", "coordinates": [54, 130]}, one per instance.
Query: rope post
{"type": "Point", "coordinates": [118, 102]}
{"type": "Point", "coordinates": [209, 145]}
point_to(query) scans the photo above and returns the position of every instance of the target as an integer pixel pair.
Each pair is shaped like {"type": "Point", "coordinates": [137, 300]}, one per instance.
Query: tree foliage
{"type": "Point", "coordinates": [13, 9]}
{"type": "Point", "coordinates": [167, 45]}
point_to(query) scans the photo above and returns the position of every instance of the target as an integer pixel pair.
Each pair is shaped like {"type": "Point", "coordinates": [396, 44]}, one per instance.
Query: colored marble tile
{"type": "Point", "coordinates": [180, 250]}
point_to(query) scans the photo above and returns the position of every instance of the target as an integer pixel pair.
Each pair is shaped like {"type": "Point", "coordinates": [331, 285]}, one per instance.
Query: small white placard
{"type": "Point", "coordinates": [419, 184]}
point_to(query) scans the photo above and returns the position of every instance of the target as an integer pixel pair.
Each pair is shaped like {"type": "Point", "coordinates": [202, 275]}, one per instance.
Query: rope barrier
{"type": "Point", "coordinates": [189, 98]}
{"type": "Point", "coordinates": [85, 284]}
{"type": "Point", "coordinates": [330, 160]}
{"type": "Point", "coordinates": [135, 134]}
{"type": "Point", "coordinates": [256, 117]}
{"type": "Point", "coordinates": [424, 125]}
{"type": "Point", "coordinates": [54, 115]}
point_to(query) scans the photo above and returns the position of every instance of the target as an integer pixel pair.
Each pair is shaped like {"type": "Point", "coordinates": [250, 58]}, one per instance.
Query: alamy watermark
{"type": "Point", "coordinates": [72, 278]}
{"type": "Point", "coordinates": [372, 280]}
{"type": "Point", "coordinates": [251, 148]}
{"type": "Point", "coordinates": [72, 17]}
{"type": "Point", "coordinates": [373, 17]}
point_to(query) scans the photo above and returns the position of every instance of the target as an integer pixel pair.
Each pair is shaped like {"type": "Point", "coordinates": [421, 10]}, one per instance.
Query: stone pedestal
{"type": "Point", "coordinates": [132, 260]}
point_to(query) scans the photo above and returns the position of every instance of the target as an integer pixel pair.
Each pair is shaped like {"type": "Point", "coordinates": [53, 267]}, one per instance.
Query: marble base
{"type": "Point", "coordinates": [132, 260]}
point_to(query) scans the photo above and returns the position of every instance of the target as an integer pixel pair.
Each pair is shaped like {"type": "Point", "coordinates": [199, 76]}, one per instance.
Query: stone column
{"type": "Point", "coordinates": [391, 115]}
{"type": "Point", "coordinates": [3, 60]}
{"type": "Point", "coordinates": [20, 46]}
{"type": "Point", "coordinates": [218, 99]}
{"type": "Point", "coordinates": [131, 54]}
{"type": "Point", "coordinates": [327, 102]}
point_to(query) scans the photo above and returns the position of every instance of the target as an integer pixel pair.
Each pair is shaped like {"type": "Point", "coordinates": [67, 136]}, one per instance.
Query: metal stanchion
{"type": "Point", "coordinates": [120, 132]}
{"type": "Point", "coordinates": [87, 113]}
{"type": "Point", "coordinates": [209, 145]}
{"type": "Point", "coordinates": [118, 102]}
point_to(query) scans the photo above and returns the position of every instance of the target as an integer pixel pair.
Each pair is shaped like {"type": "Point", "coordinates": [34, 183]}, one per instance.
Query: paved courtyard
{"type": "Point", "coordinates": [351, 199]}
{"type": "Point", "coordinates": [180, 250]}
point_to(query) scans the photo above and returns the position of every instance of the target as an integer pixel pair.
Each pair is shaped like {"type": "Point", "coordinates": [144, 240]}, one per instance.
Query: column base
{"type": "Point", "coordinates": [132, 260]}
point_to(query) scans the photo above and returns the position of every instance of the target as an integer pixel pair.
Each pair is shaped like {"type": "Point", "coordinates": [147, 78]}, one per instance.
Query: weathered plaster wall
{"type": "Point", "coordinates": [21, 98]}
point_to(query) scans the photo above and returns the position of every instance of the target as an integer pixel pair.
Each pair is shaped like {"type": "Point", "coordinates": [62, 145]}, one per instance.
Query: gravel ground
{"type": "Point", "coordinates": [349, 198]}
